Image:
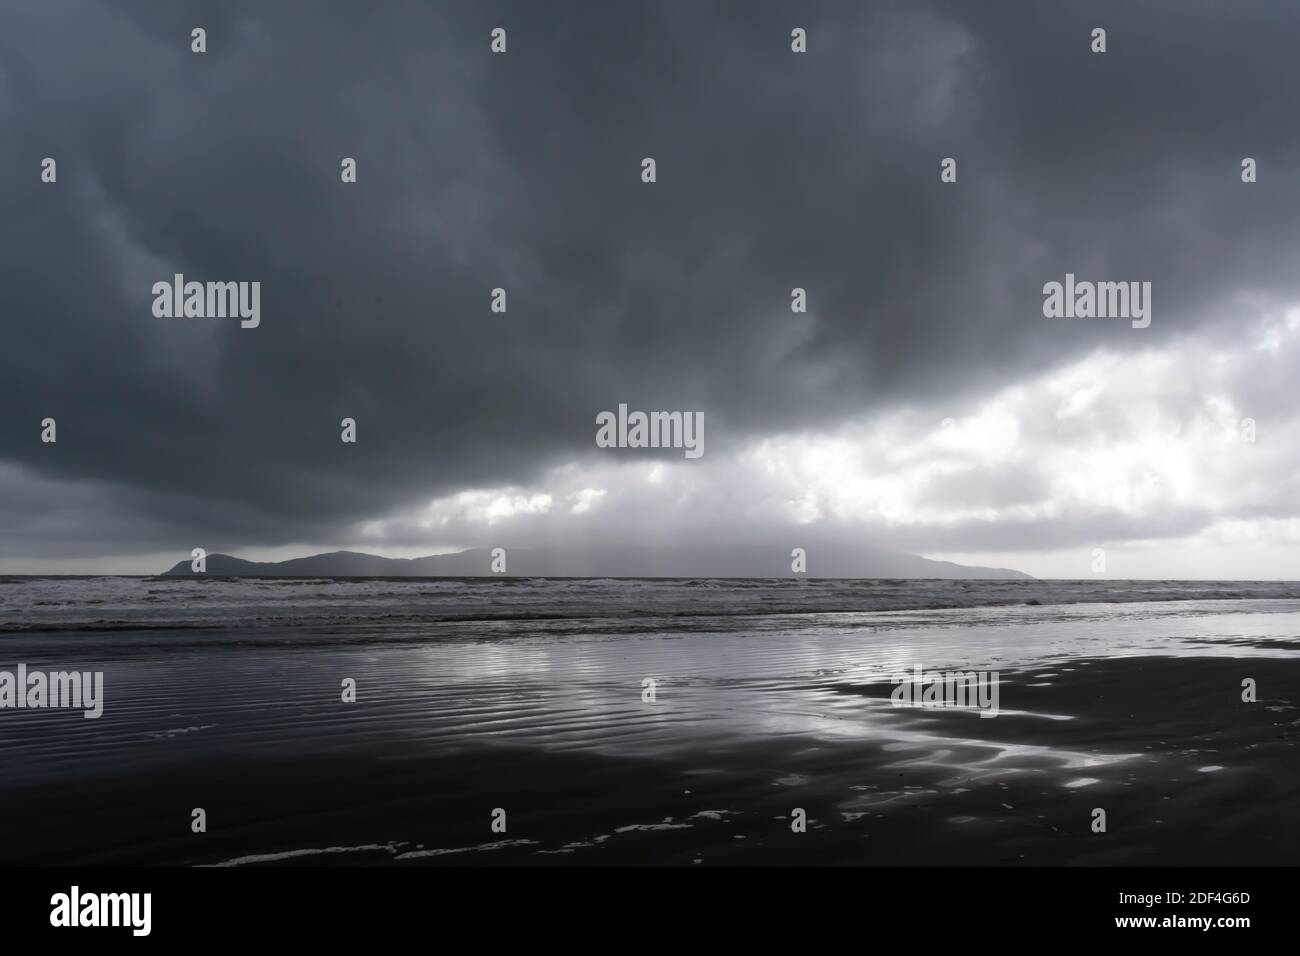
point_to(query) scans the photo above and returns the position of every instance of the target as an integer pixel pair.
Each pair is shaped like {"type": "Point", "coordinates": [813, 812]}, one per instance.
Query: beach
{"type": "Point", "coordinates": [765, 698]}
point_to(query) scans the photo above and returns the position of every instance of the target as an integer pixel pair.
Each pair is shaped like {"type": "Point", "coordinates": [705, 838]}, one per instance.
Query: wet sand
{"type": "Point", "coordinates": [1187, 774]}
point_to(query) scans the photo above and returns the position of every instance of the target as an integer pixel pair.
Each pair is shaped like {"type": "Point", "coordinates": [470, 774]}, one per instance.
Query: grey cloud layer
{"type": "Point", "coordinates": [521, 171]}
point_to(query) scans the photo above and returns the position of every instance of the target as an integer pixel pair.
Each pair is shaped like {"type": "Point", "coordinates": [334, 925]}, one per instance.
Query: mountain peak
{"type": "Point", "coordinates": [673, 562]}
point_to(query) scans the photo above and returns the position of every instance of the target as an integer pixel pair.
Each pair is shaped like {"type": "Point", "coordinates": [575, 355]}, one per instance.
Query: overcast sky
{"type": "Point", "coordinates": [923, 402]}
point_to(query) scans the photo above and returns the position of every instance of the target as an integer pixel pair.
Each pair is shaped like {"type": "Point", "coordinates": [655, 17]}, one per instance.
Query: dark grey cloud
{"type": "Point", "coordinates": [521, 171]}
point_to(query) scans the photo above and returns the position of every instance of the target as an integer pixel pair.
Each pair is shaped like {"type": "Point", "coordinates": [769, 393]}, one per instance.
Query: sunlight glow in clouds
{"type": "Point", "coordinates": [1115, 450]}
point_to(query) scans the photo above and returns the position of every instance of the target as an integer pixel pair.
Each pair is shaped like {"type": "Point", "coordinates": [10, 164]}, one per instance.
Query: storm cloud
{"type": "Point", "coordinates": [521, 171]}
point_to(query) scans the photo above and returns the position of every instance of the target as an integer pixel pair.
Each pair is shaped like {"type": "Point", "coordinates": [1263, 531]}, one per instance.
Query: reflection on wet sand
{"type": "Point", "coordinates": [1135, 708]}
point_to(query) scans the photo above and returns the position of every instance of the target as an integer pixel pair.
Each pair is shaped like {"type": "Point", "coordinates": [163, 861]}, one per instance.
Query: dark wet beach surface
{"type": "Point", "coordinates": [1135, 708]}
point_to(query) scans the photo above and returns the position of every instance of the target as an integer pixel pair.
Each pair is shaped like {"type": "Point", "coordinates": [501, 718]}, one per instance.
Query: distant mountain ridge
{"type": "Point", "coordinates": [717, 562]}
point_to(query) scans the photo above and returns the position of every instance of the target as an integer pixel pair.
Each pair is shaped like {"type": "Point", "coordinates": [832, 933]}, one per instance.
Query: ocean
{"type": "Point", "coordinates": [651, 722]}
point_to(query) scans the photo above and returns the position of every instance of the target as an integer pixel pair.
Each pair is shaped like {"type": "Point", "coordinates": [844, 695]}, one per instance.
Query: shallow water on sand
{"type": "Point", "coordinates": [1135, 707]}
